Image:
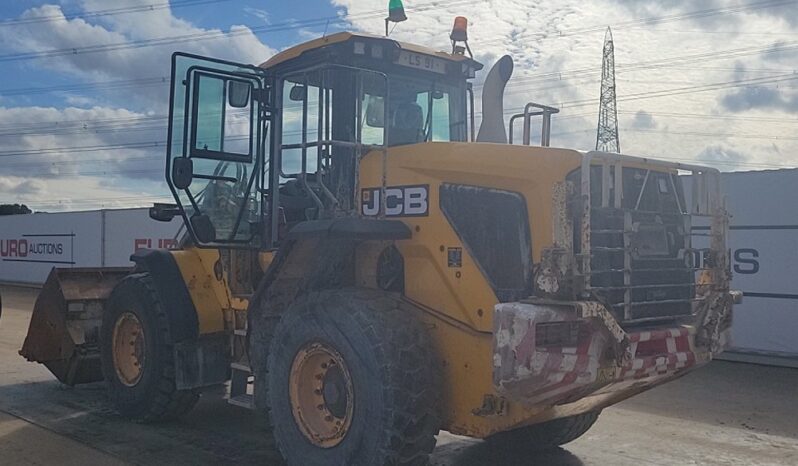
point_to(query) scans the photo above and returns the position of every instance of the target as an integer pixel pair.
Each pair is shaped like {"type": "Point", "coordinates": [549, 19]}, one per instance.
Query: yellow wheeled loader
{"type": "Point", "coordinates": [364, 268]}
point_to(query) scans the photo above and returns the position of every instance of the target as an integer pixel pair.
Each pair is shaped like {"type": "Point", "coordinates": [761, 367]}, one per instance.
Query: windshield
{"type": "Point", "coordinates": [418, 111]}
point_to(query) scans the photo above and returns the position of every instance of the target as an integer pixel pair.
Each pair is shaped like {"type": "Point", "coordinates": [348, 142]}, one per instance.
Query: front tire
{"type": "Point", "coordinates": [546, 435]}
{"type": "Point", "coordinates": [351, 381]}
{"type": "Point", "coordinates": [137, 356]}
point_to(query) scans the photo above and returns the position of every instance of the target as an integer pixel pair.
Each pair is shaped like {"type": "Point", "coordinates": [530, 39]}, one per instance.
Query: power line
{"type": "Point", "coordinates": [652, 20]}
{"type": "Point", "coordinates": [714, 135]}
{"type": "Point", "coordinates": [571, 104]}
{"type": "Point", "coordinates": [98, 85]}
{"type": "Point", "coordinates": [288, 25]}
{"type": "Point", "coordinates": [687, 90]}
{"type": "Point", "coordinates": [705, 116]}
{"type": "Point", "coordinates": [348, 18]}
{"type": "Point", "coordinates": [107, 12]}
{"type": "Point", "coordinates": [94, 148]}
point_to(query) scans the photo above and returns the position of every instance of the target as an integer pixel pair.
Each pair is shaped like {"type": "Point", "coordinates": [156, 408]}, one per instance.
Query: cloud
{"type": "Point", "coordinates": [12, 185]}
{"type": "Point", "coordinates": [130, 60]}
{"type": "Point", "coordinates": [262, 15]}
{"type": "Point", "coordinates": [760, 98]}
{"type": "Point", "coordinates": [107, 146]}
{"type": "Point", "coordinates": [659, 9]}
{"type": "Point", "coordinates": [643, 120]}
{"type": "Point", "coordinates": [727, 15]}
{"type": "Point", "coordinates": [556, 47]}
{"type": "Point", "coordinates": [730, 159]}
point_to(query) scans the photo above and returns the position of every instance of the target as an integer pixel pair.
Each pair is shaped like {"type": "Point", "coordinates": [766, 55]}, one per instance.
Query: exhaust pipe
{"type": "Point", "coordinates": [492, 128]}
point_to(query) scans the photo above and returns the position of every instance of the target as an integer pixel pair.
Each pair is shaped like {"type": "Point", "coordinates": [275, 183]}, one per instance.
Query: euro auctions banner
{"type": "Point", "coordinates": [53, 248]}
{"type": "Point", "coordinates": [31, 245]}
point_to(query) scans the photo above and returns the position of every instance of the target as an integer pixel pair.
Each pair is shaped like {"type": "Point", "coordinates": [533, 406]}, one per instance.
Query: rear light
{"type": "Point", "coordinates": [549, 334]}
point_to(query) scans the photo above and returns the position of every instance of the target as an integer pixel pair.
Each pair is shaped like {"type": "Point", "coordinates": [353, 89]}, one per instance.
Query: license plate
{"type": "Point", "coordinates": [422, 62]}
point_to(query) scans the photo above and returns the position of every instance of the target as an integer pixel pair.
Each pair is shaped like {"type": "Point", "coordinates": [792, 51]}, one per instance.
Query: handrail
{"type": "Point", "coordinates": [546, 112]}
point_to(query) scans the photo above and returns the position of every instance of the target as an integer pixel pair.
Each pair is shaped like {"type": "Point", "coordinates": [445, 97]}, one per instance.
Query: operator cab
{"type": "Point", "coordinates": [412, 93]}
{"type": "Point", "coordinates": [253, 151]}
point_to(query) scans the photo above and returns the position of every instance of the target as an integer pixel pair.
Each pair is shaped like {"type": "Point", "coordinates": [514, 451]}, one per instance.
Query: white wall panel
{"type": "Point", "coordinates": [31, 245]}
{"type": "Point", "coordinates": [763, 239]}
{"type": "Point", "coordinates": [131, 229]}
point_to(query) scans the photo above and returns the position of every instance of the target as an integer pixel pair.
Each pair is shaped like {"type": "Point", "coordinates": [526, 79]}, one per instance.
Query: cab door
{"type": "Point", "coordinates": [219, 120]}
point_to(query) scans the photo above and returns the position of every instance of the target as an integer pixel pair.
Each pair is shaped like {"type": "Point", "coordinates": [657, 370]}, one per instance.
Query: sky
{"type": "Point", "coordinates": [84, 83]}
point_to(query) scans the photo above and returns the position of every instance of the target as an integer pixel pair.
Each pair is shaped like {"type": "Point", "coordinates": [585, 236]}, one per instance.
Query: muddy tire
{"type": "Point", "coordinates": [545, 436]}
{"type": "Point", "coordinates": [351, 381]}
{"type": "Point", "coordinates": [137, 354]}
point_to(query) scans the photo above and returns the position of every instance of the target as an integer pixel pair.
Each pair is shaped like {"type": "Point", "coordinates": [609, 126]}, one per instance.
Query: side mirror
{"type": "Point", "coordinates": [238, 93]}
{"type": "Point", "coordinates": [163, 212]}
{"type": "Point", "coordinates": [182, 172]}
{"type": "Point", "coordinates": [298, 93]}
{"type": "Point", "coordinates": [203, 228]}
{"type": "Point", "coordinates": [375, 112]}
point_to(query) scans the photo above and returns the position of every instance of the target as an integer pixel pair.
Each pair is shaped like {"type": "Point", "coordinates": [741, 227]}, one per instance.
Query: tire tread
{"type": "Point", "coordinates": [168, 403]}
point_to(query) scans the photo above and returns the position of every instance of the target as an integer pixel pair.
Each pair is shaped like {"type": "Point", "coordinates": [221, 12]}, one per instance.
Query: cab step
{"type": "Point", "coordinates": [241, 381]}
{"type": "Point", "coordinates": [243, 401]}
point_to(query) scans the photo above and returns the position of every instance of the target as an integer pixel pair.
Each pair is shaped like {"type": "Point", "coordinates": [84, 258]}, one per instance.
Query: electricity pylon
{"type": "Point", "coordinates": [607, 134]}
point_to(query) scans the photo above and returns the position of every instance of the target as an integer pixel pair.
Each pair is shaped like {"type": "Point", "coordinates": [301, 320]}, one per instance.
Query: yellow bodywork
{"type": "Point", "coordinates": [294, 52]}
{"type": "Point", "coordinates": [460, 301]}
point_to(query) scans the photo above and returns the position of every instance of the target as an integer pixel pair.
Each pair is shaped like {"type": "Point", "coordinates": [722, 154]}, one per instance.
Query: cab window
{"type": "Point", "coordinates": [421, 111]}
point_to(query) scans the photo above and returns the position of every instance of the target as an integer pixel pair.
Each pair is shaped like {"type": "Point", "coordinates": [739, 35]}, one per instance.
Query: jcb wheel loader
{"type": "Point", "coordinates": [364, 268]}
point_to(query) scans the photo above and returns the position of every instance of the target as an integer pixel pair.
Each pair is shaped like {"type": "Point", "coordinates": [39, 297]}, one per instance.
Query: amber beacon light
{"type": "Point", "coordinates": [460, 29]}
{"type": "Point", "coordinates": [460, 34]}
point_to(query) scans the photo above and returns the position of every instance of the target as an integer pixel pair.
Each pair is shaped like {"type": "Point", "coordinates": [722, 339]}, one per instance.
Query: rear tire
{"type": "Point", "coordinates": [137, 356]}
{"type": "Point", "coordinates": [375, 393]}
{"type": "Point", "coordinates": [545, 436]}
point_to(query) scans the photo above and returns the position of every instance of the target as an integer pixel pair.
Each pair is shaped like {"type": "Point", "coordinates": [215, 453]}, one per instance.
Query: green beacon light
{"type": "Point", "coordinates": [396, 13]}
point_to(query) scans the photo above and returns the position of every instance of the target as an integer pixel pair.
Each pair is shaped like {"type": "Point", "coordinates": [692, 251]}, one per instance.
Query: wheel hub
{"type": "Point", "coordinates": [322, 395]}
{"type": "Point", "coordinates": [128, 349]}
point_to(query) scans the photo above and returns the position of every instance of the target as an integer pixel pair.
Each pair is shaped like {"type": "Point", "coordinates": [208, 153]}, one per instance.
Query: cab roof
{"type": "Point", "coordinates": [297, 50]}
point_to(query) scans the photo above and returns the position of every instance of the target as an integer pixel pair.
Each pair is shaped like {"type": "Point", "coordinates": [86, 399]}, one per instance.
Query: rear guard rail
{"type": "Point", "coordinates": [706, 201]}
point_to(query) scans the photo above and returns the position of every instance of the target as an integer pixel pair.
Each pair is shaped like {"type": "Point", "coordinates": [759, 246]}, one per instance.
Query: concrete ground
{"type": "Point", "coordinates": [724, 414]}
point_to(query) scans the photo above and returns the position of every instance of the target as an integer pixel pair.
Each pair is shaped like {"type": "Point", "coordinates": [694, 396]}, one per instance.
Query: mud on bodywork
{"type": "Point", "coordinates": [548, 353]}
{"type": "Point", "coordinates": [657, 315]}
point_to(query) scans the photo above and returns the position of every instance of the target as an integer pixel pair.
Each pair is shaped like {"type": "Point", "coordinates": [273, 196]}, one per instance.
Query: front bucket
{"type": "Point", "coordinates": [65, 325]}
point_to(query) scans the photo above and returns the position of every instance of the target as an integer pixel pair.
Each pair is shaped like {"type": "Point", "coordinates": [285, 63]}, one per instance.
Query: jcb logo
{"type": "Point", "coordinates": [400, 201]}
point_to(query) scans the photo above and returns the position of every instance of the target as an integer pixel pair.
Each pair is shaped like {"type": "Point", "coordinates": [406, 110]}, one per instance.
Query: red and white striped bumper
{"type": "Point", "coordinates": [546, 354]}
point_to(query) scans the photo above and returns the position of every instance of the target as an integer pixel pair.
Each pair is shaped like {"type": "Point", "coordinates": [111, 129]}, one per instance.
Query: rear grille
{"type": "Point", "coordinates": [639, 247]}
{"type": "Point", "coordinates": [660, 281]}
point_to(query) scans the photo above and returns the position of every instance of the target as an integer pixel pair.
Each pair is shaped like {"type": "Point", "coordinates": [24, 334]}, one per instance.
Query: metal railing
{"type": "Point", "coordinates": [692, 281]}
{"type": "Point", "coordinates": [545, 133]}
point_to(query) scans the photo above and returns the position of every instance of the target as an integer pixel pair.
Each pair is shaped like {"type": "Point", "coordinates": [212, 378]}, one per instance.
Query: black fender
{"type": "Point", "coordinates": [171, 287]}
{"type": "Point", "coordinates": [200, 360]}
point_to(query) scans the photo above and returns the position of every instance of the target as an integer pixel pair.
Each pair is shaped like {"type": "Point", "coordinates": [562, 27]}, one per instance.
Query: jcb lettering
{"type": "Point", "coordinates": [400, 201]}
